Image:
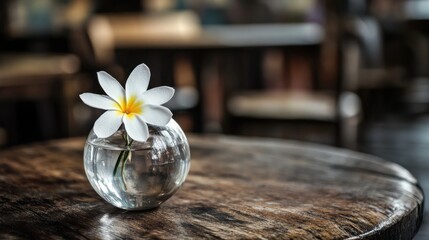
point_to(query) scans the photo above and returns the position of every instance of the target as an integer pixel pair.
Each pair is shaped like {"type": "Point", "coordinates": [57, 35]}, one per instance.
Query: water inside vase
{"type": "Point", "coordinates": [150, 176]}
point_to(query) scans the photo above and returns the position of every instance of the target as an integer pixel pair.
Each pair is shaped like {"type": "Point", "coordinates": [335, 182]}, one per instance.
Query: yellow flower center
{"type": "Point", "coordinates": [131, 106]}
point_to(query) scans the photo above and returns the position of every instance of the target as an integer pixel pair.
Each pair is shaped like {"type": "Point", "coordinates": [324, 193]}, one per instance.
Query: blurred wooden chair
{"type": "Point", "coordinates": [296, 114]}
{"type": "Point", "coordinates": [302, 115]}
{"type": "Point", "coordinates": [37, 92]}
{"type": "Point", "coordinates": [265, 113]}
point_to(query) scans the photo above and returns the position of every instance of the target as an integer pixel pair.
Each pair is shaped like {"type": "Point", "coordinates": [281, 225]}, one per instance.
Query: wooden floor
{"type": "Point", "coordinates": [404, 141]}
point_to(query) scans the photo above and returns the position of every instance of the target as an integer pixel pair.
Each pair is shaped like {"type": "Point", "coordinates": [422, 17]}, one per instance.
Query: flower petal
{"type": "Point", "coordinates": [108, 123]}
{"type": "Point", "coordinates": [112, 87]}
{"type": "Point", "coordinates": [136, 128]}
{"type": "Point", "coordinates": [158, 95]}
{"type": "Point", "coordinates": [156, 115]}
{"type": "Point", "coordinates": [138, 80]}
{"type": "Point", "coordinates": [98, 101]}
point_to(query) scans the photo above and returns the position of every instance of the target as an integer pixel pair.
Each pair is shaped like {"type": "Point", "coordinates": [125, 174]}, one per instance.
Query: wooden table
{"type": "Point", "coordinates": [236, 189]}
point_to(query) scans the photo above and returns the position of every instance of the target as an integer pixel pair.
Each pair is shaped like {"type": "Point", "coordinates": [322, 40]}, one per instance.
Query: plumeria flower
{"type": "Point", "coordinates": [134, 106]}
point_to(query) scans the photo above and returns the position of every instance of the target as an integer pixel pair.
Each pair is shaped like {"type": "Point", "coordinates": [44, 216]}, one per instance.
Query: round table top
{"type": "Point", "coordinates": [237, 188]}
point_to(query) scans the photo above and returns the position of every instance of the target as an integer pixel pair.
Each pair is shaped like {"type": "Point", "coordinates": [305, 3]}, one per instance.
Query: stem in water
{"type": "Point", "coordinates": [124, 155]}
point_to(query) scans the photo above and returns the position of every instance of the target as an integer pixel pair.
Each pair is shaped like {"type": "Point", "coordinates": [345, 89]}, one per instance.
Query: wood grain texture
{"type": "Point", "coordinates": [237, 189]}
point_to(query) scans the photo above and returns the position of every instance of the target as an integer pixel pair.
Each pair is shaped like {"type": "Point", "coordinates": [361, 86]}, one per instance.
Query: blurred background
{"type": "Point", "coordinates": [349, 73]}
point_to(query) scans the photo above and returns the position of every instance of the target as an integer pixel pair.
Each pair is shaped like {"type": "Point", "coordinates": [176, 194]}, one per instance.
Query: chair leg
{"type": "Point", "coordinates": [349, 132]}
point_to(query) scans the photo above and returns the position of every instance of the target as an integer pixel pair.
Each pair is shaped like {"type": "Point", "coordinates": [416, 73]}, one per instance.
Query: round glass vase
{"type": "Point", "coordinates": [135, 175]}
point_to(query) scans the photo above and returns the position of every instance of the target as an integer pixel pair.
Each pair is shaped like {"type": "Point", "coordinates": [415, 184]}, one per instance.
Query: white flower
{"type": "Point", "coordinates": [134, 106]}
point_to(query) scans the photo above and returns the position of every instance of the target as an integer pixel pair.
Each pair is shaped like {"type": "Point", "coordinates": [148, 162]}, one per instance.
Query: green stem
{"type": "Point", "coordinates": [127, 153]}
{"type": "Point", "coordinates": [117, 162]}
{"type": "Point", "coordinates": [124, 155]}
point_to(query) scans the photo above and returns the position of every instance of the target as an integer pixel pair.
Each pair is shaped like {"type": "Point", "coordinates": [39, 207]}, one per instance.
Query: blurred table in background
{"type": "Point", "coordinates": [182, 30]}
{"type": "Point", "coordinates": [17, 68]}
{"type": "Point", "coordinates": [163, 40]}
{"type": "Point", "coordinates": [237, 188]}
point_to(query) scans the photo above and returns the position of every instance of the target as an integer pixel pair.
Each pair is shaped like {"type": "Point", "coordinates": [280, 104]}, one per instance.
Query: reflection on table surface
{"type": "Point", "coordinates": [236, 188]}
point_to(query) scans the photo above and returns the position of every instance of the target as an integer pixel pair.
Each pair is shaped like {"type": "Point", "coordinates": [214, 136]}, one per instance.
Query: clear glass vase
{"type": "Point", "coordinates": [138, 175]}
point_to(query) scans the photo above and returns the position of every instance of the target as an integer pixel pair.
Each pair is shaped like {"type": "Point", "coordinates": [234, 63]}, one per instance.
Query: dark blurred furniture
{"type": "Point", "coordinates": [237, 188]}
{"type": "Point", "coordinates": [3, 21]}
{"type": "Point", "coordinates": [37, 93]}
{"type": "Point", "coordinates": [160, 40]}
{"type": "Point", "coordinates": [356, 51]}
{"type": "Point", "coordinates": [316, 113]}
{"type": "Point", "coordinates": [416, 18]}
{"type": "Point", "coordinates": [128, 6]}
{"type": "Point", "coordinates": [255, 110]}
{"type": "Point", "coordinates": [43, 74]}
